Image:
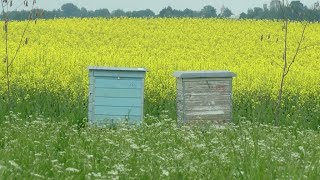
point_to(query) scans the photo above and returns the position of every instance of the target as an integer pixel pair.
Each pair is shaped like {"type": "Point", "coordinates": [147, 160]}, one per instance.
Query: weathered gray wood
{"type": "Point", "coordinates": [208, 122]}
{"type": "Point", "coordinates": [203, 74]}
{"type": "Point", "coordinates": [179, 84]}
{"type": "Point", "coordinates": [204, 96]}
{"type": "Point", "coordinates": [206, 108]}
{"type": "Point", "coordinates": [208, 87]}
{"type": "Point", "coordinates": [206, 83]}
{"type": "Point", "coordinates": [205, 116]}
{"type": "Point", "coordinates": [207, 102]}
{"type": "Point", "coordinates": [206, 79]}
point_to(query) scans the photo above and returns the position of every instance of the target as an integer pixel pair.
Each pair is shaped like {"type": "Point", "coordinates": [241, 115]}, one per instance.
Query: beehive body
{"type": "Point", "coordinates": [116, 94]}
{"type": "Point", "coordinates": [204, 97]}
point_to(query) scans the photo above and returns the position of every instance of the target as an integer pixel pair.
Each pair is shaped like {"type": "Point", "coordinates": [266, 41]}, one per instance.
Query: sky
{"type": "Point", "coordinates": [236, 6]}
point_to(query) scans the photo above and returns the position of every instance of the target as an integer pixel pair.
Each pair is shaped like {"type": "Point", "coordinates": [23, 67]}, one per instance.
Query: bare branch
{"type": "Point", "coordinates": [310, 46]}
{"type": "Point", "coordinates": [22, 37]}
{"type": "Point", "coordinates": [297, 49]}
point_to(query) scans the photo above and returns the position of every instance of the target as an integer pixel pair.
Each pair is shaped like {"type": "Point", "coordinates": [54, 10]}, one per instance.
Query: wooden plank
{"type": "Point", "coordinates": [117, 93]}
{"type": "Point", "coordinates": [202, 107]}
{"type": "Point", "coordinates": [206, 108]}
{"type": "Point", "coordinates": [207, 122]}
{"type": "Point", "coordinates": [203, 92]}
{"type": "Point", "coordinates": [205, 79]}
{"type": "Point", "coordinates": [130, 74]}
{"type": "Point", "coordinates": [90, 73]}
{"type": "Point", "coordinates": [207, 117]}
{"type": "Point", "coordinates": [117, 111]}
{"type": "Point", "coordinates": [207, 97]}
{"type": "Point", "coordinates": [91, 93]}
{"type": "Point", "coordinates": [90, 104]}
{"type": "Point", "coordinates": [206, 84]}
{"type": "Point", "coordinates": [213, 90]}
{"type": "Point", "coordinates": [142, 98]}
{"type": "Point", "coordinates": [118, 83]}
{"type": "Point", "coordinates": [91, 80]}
{"type": "Point", "coordinates": [179, 84]}
{"type": "Point", "coordinates": [206, 92]}
{"type": "Point", "coordinates": [118, 102]}
{"type": "Point", "coordinates": [208, 102]}
{"type": "Point", "coordinates": [179, 116]}
{"type": "Point", "coordinates": [90, 114]}
{"type": "Point", "coordinates": [206, 112]}
{"type": "Point", "coordinates": [114, 119]}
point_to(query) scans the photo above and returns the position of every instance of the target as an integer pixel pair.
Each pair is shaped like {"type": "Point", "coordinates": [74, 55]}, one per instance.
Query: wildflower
{"type": "Point", "coordinates": [113, 172]}
{"type": "Point", "coordinates": [165, 172]}
{"type": "Point", "coordinates": [89, 156]}
{"type": "Point", "coordinates": [301, 149]}
{"type": "Point", "coordinates": [134, 146]}
{"type": "Point", "coordinates": [37, 175]}
{"type": "Point", "coordinates": [54, 161]}
{"type": "Point", "coordinates": [14, 164]}
{"type": "Point", "coordinates": [70, 169]}
{"type": "Point", "coordinates": [96, 175]}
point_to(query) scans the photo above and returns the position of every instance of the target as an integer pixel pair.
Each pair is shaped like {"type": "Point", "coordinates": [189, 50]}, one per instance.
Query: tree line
{"type": "Point", "coordinates": [71, 10]}
{"type": "Point", "coordinates": [295, 11]}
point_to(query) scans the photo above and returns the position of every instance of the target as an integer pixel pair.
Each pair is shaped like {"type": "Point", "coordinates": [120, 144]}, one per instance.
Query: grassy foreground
{"type": "Point", "coordinates": [43, 148]}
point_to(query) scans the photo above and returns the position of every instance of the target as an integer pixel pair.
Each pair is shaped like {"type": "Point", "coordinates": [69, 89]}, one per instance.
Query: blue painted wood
{"type": "Point", "coordinates": [131, 74]}
{"type": "Point", "coordinates": [122, 83]}
{"type": "Point", "coordinates": [124, 69]}
{"type": "Point", "coordinates": [114, 119]}
{"type": "Point", "coordinates": [117, 93]}
{"type": "Point", "coordinates": [117, 111]}
{"type": "Point", "coordinates": [118, 102]}
{"type": "Point", "coordinates": [91, 97]}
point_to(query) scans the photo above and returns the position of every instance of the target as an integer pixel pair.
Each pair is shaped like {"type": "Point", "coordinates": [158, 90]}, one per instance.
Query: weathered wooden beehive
{"type": "Point", "coordinates": [116, 94]}
{"type": "Point", "coordinates": [204, 96]}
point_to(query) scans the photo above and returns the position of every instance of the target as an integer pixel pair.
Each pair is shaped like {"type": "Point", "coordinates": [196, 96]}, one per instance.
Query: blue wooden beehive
{"type": "Point", "coordinates": [116, 94]}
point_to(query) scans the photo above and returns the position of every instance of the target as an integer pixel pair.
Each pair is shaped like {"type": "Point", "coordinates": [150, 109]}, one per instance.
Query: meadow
{"type": "Point", "coordinates": [44, 148]}
{"type": "Point", "coordinates": [45, 134]}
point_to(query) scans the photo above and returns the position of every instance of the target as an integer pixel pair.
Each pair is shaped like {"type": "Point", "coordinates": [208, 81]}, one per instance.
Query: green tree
{"type": "Point", "coordinates": [141, 13]}
{"type": "Point", "coordinates": [84, 12]}
{"type": "Point", "coordinates": [166, 12]}
{"type": "Point", "coordinates": [118, 13]}
{"type": "Point", "coordinates": [189, 13]}
{"type": "Point", "coordinates": [102, 13]}
{"type": "Point", "coordinates": [208, 12]}
{"type": "Point", "coordinates": [226, 13]}
{"type": "Point", "coordinates": [70, 10]}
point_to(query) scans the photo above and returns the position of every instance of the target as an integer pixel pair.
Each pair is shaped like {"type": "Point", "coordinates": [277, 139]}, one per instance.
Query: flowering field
{"type": "Point", "coordinates": [50, 75]}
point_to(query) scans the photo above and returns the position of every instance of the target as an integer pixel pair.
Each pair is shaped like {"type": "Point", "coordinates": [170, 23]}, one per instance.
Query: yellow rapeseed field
{"type": "Point", "coordinates": [58, 52]}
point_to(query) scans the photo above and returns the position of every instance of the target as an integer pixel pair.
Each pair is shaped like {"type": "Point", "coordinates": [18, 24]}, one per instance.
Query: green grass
{"type": "Point", "coordinates": [257, 107]}
{"type": "Point", "coordinates": [39, 148]}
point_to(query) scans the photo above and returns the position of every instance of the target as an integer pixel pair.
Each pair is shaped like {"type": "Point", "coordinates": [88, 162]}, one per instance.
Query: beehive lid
{"type": "Point", "coordinates": [204, 74]}
{"type": "Point", "coordinates": [115, 69]}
